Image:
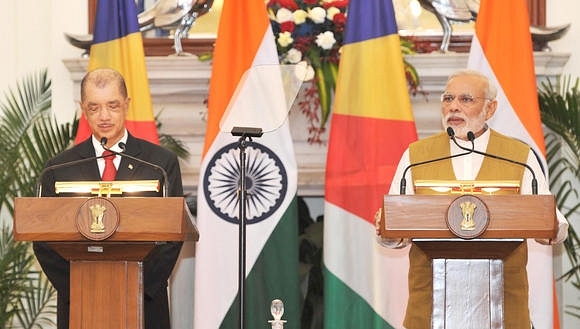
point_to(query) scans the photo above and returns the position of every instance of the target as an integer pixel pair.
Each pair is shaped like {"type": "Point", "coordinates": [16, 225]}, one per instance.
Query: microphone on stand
{"type": "Point", "coordinates": [534, 180]}
{"type": "Point", "coordinates": [123, 154]}
{"type": "Point", "coordinates": [64, 165]}
{"type": "Point", "coordinates": [451, 133]}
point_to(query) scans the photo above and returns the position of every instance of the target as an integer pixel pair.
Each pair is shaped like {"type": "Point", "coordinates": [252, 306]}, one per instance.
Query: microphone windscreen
{"type": "Point", "coordinates": [470, 136]}
{"type": "Point", "coordinates": [450, 132]}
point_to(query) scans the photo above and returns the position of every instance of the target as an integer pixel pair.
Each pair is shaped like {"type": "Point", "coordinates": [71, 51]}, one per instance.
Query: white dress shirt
{"type": "Point", "coordinates": [99, 152]}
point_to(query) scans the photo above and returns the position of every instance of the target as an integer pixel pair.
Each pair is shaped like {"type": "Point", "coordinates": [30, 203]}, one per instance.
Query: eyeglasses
{"type": "Point", "coordinates": [464, 99]}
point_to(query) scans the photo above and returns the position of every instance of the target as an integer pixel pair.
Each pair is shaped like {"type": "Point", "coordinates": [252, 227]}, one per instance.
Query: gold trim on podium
{"type": "Point", "coordinates": [486, 187]}
{"type": "Point", "coordinates": [107, 187]}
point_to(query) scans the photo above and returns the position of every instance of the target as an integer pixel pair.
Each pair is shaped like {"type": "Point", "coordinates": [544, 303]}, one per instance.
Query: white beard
{"type": "Point", "coordinates": [474, 125]}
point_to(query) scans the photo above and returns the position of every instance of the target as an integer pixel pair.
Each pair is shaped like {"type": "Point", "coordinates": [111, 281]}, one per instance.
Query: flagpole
{"type": "Point", "coordinates": [244, 133]}
{"type": "Point", "coordinates": [242, 233]}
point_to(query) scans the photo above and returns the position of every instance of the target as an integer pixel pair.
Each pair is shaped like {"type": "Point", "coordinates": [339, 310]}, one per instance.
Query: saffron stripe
{"type": "Point", "coordinates": [515, 74]}
{"type": "Point", "coordinates": [235, 51]}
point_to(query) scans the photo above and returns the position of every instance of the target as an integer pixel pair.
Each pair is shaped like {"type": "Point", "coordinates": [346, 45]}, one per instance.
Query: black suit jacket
{"type": "Point", "coordinates": [159, 264]}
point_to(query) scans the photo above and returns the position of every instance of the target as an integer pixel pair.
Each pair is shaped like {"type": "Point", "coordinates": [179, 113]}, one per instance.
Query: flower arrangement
{"type": "Point", "coordinates": [311, 32]}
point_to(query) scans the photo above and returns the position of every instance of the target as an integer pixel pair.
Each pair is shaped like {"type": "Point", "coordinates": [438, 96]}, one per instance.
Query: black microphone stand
{"type": "Point", "coordinates": [244, 133]}
{"type": "Point", "coordinates": [451, 133]}
{"type": "Point", "coordinates": [471, 137]}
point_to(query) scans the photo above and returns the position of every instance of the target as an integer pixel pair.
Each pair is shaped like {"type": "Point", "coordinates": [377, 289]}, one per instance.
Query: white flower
{"type": "Point", "coordinates": [283, 15]}
{"type": "Point", "coordinates": [293, 56]}
{"type": "Point", "coordinates": [318, 15]}
{"type": "Point", "coordinates": [304, 71]}
{"type": "Point", "coordinates": [300, 16]}
{"type": "Point", "coordinates": [325, 40]}
{"type": "Point", "coordinates": [285, 39]}
{"type": "Point", "coordinates": [331, 12]}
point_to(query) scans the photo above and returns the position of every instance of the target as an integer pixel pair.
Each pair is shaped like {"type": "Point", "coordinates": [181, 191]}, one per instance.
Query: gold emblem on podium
{"type": "Point", "coordinates": [97, 218]}
{"type": "Point", "coordinates": [467, 216]}
{"type": "Point", "coordinates": [97, 212]}
{"type": "Point", "coordinates": [467, 209]}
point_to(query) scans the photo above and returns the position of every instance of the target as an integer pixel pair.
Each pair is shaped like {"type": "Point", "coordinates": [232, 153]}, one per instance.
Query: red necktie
{"type": "Point", "coordinates": [110, 171]}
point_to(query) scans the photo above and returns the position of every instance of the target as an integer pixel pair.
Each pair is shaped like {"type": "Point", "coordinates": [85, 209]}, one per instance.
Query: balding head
{"type": "Point", "coordinates": [102, 77]}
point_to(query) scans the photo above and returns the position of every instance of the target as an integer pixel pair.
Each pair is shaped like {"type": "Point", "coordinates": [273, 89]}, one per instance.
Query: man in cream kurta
{"type": "Point", "coordinates": [467, 103]}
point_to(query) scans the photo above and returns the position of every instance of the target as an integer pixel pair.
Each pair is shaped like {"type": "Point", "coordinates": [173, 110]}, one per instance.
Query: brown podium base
{"type": "Point", "coordinates": [106, 283]}
{"type": "Point", "coordinates": [117, 303]}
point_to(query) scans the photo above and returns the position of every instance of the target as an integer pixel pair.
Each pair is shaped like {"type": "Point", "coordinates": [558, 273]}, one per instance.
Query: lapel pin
{"type": "Point", "coordinates": [130, 166]}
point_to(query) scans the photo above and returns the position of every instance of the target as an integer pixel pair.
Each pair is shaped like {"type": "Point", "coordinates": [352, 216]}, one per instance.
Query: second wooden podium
{"type": "Point", "coordinates": [105, 240]}
{"type": "Point", "coordinates": [467, 237]}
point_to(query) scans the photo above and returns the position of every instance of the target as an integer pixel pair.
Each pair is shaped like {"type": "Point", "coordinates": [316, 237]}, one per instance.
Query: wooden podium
{"type": "Point", "coordinates": [105, 249]}
{"type": "Point", "coordinates": [468, 258]}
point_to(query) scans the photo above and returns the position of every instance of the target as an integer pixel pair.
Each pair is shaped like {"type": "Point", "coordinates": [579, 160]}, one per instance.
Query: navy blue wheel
{"type": "Point", "coordinates": [266, 182]}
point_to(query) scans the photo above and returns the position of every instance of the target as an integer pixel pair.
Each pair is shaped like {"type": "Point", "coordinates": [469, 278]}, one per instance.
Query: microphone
{"type": "Point", "coordinates": [451, 133]}
{"type": "Point", "coordinates": [64, 165]}
{"type": "Point", "coordinates": [123, 154]}
{"type": "Point", "coordinates": [534, 180]}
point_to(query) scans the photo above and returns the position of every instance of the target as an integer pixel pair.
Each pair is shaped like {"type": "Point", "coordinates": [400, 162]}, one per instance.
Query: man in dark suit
{"type": "Point", "coordinates": [105, 103]}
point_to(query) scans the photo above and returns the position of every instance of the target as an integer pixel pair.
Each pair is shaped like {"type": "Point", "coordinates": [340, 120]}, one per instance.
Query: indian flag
{"type": "Point", "coordinates": [244, 46]}
{"type": "Point", "coordinates": [372, 124]}
{"type": "Point", "coordinates": [502, 49]}
{"type": "Point", "coordinates": [117, 44]}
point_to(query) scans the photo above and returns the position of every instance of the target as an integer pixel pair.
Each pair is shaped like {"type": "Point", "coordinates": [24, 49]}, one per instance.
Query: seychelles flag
{"type": "Point", "coordinates": [372, 124]}
{"type": "Point", "coordinates": [118, 44]}
{"type": "Point", "coordinates": [245, 42]}
{"type": "Point", "coordinates": [502, 49]}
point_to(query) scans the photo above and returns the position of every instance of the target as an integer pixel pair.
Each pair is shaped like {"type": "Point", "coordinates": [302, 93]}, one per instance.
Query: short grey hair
{"type": "Point", "coordinates": [491, 91]}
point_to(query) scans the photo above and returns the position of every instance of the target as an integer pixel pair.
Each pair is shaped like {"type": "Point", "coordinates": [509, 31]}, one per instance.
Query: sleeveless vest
{"type": "Point", "coordinates": [420, 304]}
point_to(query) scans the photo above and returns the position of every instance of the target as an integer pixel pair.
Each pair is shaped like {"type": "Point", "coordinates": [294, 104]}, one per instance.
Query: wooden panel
{"type": "Point", "coordinates": [468, 249]}
{"type": "Point", "coordinates": [106, 295]}
{"type": "Point", "coordinates": [511, 216]}
{"type": "Point", "coordinates": [103, 250]}
{"type": "Point", "coordinates": [141, 219]}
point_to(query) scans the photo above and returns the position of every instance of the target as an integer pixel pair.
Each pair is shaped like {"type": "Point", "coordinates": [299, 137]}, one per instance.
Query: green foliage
{"type": "Point", "coordinates": [14, 264]}
{"type": "Point", "coordinates": [171, 143]}
{"type": "Point", "coordinates": [560, 111]}
{"type": "Point", "coordinates": [25, 295]}
{"type": "Point", "coordinates": [30, 136]}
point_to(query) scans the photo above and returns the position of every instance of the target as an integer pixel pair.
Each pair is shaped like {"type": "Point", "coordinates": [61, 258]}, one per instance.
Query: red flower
{"type": "Point", "coordinates": [310, 2]}
{"type": "Point", "coordinates": [302, 44]}
{"type": "Point", "coordinates": [287, 27]}
{"type": "Point", "coordinates": [289, 4]}
{"type": "Point", "coordinates": [339, 19]}
{"type": "Point", "coordinates": [338, 4]}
